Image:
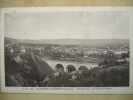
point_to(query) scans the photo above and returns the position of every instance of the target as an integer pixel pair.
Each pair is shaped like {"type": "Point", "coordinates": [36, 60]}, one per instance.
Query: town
{"type": "Point", "coordinates": [66, 65]}
{"type": "Point", "coordinates": [62, 52]}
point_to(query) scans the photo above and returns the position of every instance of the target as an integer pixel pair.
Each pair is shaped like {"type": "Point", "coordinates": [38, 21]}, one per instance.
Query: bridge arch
{"type": "Point", "coordinates": [70, 68]}
{"type": "Point", "coordinates": [83, 68]}
{"type": "Point", "coordinates": [59, 67]}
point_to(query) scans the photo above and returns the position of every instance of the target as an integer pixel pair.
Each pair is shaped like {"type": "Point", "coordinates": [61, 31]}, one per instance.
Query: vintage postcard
{"type": "Point", "coordinates": [61, 50]}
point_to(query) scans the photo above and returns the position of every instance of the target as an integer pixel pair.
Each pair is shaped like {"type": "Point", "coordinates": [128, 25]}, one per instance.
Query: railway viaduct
{"type": "Point", "coordinates": [69, 65]}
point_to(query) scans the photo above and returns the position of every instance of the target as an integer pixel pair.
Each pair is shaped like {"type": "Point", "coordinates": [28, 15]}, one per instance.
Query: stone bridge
{"type": "Point", "coordinates": [69, 65]}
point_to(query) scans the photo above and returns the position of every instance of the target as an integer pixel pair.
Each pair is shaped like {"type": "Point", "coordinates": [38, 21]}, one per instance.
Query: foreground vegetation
{"type": "Point", "coordinates": [29, 72]}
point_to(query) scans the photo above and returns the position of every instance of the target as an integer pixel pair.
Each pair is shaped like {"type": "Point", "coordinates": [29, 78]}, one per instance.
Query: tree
{"type": "Point", "coordinates": [99, 64]}
{"type": "Point", "coordinates": [111, 79]}
{"type": "Point", "coordinates": [124, 55]}
{"type": "Point", "coordinates": [105, 61]}
{"type": "Point", "coordinates": [102, 78]}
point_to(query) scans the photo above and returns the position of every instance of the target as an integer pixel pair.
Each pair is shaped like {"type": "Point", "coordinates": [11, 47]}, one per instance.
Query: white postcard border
{"type": "Point", "coordinates": [66, 90]}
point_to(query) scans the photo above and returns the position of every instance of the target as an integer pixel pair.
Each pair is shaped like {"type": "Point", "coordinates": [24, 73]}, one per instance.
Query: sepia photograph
{"type": "Point", "coordinates": [79, 48]}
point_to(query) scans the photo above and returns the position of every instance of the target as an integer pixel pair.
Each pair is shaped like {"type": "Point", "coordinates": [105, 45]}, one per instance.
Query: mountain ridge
{"type": "Point", "coordinates": [69, 41]}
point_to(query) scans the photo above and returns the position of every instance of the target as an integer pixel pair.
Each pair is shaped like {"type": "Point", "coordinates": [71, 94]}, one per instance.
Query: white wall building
{"type": "Point", "coordinates": [23, 50]}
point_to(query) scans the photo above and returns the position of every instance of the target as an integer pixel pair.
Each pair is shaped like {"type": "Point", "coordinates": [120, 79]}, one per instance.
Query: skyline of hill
{"type": "Point", "coordinates": [69, 41]}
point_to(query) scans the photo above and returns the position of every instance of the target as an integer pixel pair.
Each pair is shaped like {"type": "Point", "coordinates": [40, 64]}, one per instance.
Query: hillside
{"type": "Point", "coordinates": [43, 69]}
{"type": "Point", "coordinates": [70, 41]}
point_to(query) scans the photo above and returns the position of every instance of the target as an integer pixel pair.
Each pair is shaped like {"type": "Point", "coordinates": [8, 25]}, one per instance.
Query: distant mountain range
{"type": "Point", "coordinates": [70, 41]}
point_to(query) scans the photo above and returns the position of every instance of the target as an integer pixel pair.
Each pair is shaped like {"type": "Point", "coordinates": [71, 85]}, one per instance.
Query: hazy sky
{"type": "Point", "coordinates": [56, 25]}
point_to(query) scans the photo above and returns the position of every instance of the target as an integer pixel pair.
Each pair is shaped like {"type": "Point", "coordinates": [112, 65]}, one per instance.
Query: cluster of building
{"type": "Point", "coordinates": [65, 50]}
